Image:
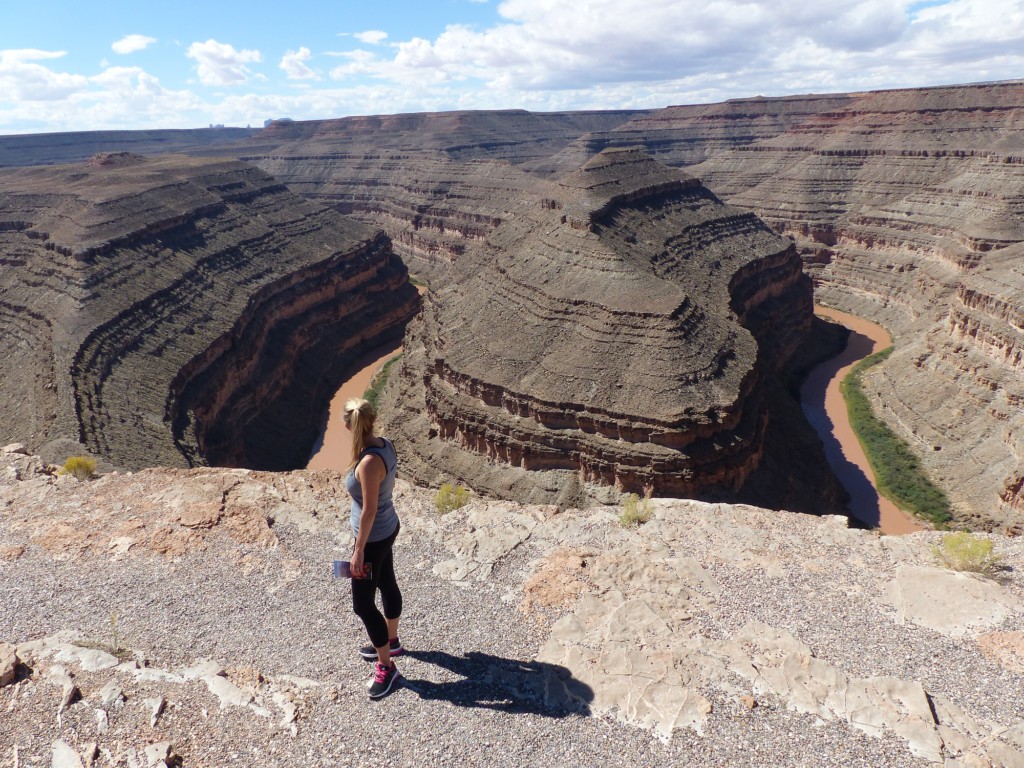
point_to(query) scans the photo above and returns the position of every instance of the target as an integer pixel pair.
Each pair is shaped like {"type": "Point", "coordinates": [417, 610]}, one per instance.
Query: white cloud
{"type": "Point", "coordinates": [22, 80]}
{"type": "Point", "coordinates": [132, 43]}
{"type": "Point", "coordinates": [371, 36]}
{"type": "Point", "coordinates": [722, 46]}
{"type": "Point", "coordinates": [293, 63]}
{"type": "Point", "coordinates": [543, 55]}
{"type": "Point", "coordinates": [220, 64]}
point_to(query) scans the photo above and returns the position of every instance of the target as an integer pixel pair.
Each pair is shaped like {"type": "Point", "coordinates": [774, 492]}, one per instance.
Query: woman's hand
{"type": "Point", "coordinates": [357, 562]}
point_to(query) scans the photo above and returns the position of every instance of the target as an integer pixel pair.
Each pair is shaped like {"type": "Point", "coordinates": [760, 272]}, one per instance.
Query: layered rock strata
{"type": "Point", "coordinates": [623, 333]}
{"type": "Point", "coordinates": [181, 311]}
{"type": "Point", "coordinates": [908, 207]}
{"type": "Point", "coordinates": [905, 206]}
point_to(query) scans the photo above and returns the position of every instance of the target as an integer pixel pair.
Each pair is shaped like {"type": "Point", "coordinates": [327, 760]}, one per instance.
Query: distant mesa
{"type": "Point", "coordinates": [115, 158]}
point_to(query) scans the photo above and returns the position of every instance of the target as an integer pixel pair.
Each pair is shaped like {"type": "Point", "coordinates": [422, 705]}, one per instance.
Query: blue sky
{"type": "Point", "coordinates": [69, 65]}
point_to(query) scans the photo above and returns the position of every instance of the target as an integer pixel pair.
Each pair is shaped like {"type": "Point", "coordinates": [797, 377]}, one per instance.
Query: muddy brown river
{"type": "Point", "coordinates": [333, 449]}
{"type": "Point", "coordinates": [822, 403]}
{"type": "Point", "coordinates": [825, 408]}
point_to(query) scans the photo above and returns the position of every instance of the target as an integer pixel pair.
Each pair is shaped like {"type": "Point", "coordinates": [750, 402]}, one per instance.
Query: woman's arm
{"type": "Point", "coordinates": [370, 473]}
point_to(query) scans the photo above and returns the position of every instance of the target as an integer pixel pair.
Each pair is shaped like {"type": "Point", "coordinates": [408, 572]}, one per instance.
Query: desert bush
{"type": "Point", "coordinates": [635, 511]}
{"type": "Point", "coordinates": [898, 471]}
{"type": "Point", "coordinates": [112, 644]}
{"type": "Point", "coordinates": [451, 497]}
{"type": "Point", "coordinates": [380, 378]}
{"type": "Point", "coordinates": [81, 467]}
{"type": "Point", "coordinates": [963, 551]}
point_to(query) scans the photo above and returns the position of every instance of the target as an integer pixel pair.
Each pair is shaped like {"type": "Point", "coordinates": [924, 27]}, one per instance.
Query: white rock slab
{"type": "Point", "coordinates": [954, 604]}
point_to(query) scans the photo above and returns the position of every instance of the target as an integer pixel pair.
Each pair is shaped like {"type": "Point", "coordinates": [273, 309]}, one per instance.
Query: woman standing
{"type": "Point", "coordinates": [370, 481]}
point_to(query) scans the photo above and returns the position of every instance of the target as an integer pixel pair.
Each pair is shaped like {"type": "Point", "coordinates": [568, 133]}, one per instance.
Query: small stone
{"type": "Point", "coordinates": [11, 552]}
{"type": "Point", "coordinates": [9, 662]}
{"type": "Point", "coordinates": [110, 694]}
{"type": "Point", "coordinates": [156, 708]}
{"type": "Point", "coordinates": [748, 701]}
{"type": "Point", "coordinates": [102, 723]}
{"type": "Point", "coordinates": [158, 754]}
{"type": "Point", "coordinates": [69, 691]}
{"type": "Point", "coordinates": [64, 756]}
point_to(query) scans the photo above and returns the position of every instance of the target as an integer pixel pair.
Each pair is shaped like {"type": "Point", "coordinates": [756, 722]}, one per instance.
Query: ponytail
{"type": "Point", "coordinates": [360, 417]}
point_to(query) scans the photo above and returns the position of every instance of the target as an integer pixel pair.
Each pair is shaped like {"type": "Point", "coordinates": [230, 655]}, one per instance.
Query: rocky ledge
{"type": "Point", "coordinates": [189, 617]}
{"type": "Point", "coordinates": [623, 333]}
{"type": "Point", "coordinates": [179, 311]}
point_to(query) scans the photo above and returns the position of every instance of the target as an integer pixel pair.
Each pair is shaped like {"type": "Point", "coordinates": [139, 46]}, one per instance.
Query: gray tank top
{"type": "Point", "coordinates": [386, 521]}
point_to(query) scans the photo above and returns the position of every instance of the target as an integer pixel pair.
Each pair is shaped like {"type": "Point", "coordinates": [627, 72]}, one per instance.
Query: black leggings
{"type": "Point", "coordinates": [382, 562]}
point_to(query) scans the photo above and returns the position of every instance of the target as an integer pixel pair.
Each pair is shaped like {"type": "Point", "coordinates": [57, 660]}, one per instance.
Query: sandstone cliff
{"type": "Point", "coordinates": [181, 311]}
{"type": "Point", "coordinates": [905, 206]}
{"type": "Point", "coordinates": [624, 331]}
{"type": "Point", "coordinates": [908, 207]}
{"type": "Point", "coordinates": [189, 616]}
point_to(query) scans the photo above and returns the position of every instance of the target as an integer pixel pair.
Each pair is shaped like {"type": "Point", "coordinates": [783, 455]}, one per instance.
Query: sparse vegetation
{"type": "Point", "coordinates": [451, 497]}
{"type": "Point", "coordinates": [113, 647]}
{"type": "Point", "coordinates": [81, 467]}
{"type": "Point", "coordinates": [899, 473]}
{"type": "Point", "coordinates": [963, 551]}
{"type": "Point", "coordinates": [380, 378]}
{"type": "Point", "coordinates": [636, 511]}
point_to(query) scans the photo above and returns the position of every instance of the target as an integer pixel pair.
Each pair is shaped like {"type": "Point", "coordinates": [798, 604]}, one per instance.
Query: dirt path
{"type": "Point", "coordinates": [825, 408]}
{"type": "Point", "coordinates": [334, 446]}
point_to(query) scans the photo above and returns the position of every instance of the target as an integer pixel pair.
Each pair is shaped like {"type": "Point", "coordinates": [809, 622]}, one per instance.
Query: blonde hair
{"type": "Point", "coordinates": [360, 417]}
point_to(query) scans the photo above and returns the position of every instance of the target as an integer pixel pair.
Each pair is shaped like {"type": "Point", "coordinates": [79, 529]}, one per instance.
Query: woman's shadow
{"type": "Point", "coordinates": [508, 685]}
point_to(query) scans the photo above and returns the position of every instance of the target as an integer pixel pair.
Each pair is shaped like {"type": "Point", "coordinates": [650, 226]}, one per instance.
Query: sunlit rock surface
{"type": "Point", "coordinates": [179, 311]}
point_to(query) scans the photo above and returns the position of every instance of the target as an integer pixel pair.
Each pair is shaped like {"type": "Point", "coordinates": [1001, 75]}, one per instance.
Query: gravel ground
{"type": "Point", "coordinates": [472, 693]}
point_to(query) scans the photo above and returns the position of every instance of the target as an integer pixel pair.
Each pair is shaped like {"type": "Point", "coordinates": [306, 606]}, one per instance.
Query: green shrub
{"type": "Point", "coordinates": [451, 497]}
{"type": "Point", "coordinates": [380, 378]}
{"type": "Point", "coordinates": [636, 511]}
{"type": "Point", "coordinates": [114, 646]}
{"type": "Point", "coordinates": [899, 473]}
{"type": "Point", "coordinates": [963, 551]}
{"type": "Point", "coordinates": [81, 467]}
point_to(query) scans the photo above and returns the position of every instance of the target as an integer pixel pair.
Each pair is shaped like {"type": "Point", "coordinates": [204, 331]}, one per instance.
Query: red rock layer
{"type": "Point", "coordinates": [181, 311]}
{"type": "Point", "coordinates": [601, 337]}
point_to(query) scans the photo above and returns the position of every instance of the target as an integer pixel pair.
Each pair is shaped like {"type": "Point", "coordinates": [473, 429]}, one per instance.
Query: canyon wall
{"type": "Point", "coordinates": [906, 207]}
{"type": "Point", "coordinates": [76, 146]}
{"type": "Point", "coordinates": [625, 331]}
{"type": "Point", "coordinates": [180, 311]}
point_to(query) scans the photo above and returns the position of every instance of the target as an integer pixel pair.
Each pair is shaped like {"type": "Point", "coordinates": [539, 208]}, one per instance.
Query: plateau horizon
{"type": "Point", "coordinates": [192, 65]}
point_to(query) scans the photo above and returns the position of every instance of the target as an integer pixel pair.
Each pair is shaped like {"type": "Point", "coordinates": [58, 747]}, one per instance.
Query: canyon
{"type": "Point", "coordinates": [904, 207]}
{"type": "Point", "coordinates": [614, 301]}
{"type": "Point", "coordinates": [174, 310]}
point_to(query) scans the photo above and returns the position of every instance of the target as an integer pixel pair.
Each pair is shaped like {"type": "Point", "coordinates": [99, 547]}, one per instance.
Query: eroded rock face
{"type": "Point", "coordinates": [180, 311]}
{"type": "Point", "coordinates": [908, 207]}
{"type": "Point", "coordinates": [624, 332]}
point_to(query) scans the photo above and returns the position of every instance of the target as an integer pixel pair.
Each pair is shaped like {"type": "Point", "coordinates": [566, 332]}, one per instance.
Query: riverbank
{"type": "Point", "coordinates": [333, 449]}
{"type": "Point", "coordinates": [825, 408]}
